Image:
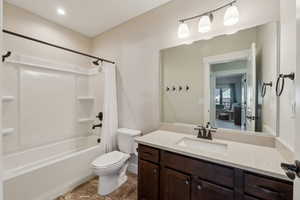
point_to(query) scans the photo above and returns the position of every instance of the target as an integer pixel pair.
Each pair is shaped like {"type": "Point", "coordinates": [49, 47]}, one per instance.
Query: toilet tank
{"type": "Point", "coordinates": [126, 139]}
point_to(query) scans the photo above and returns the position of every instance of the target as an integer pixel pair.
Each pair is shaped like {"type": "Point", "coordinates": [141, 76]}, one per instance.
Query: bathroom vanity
{"type": "Point", "coordinates": [169, 170]}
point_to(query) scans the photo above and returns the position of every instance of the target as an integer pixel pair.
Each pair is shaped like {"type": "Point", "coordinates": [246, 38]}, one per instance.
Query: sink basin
{"type": "Point", "coordinates": [207, 146]}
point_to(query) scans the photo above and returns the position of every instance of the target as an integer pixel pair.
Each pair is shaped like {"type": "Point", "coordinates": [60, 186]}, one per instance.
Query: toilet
{"type": "Point", "coordinates": [111, 167]}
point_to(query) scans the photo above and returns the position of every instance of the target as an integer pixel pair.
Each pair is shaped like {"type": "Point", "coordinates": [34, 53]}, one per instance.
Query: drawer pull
{"type": "Point", "coordinates": [187, 182]}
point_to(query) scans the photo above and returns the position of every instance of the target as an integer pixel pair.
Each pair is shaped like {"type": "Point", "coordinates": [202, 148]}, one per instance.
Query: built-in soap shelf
{"type": "Point", "coordinates": [7, 131]}
{"type": "Point", "coordinates": [8, 98]}
{"type": "Point", "coordinates": [86, 98]}
{"type": "Point", "coordinates": [84, 120]}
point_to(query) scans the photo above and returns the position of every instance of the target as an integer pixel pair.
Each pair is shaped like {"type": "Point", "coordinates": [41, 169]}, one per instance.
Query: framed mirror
{"type": "Point", "coordinates": [227, 81]}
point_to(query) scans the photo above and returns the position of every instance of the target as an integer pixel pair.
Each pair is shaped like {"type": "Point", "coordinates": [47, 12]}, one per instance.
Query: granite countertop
{"type": "Point", "coordinates": [259, 159]}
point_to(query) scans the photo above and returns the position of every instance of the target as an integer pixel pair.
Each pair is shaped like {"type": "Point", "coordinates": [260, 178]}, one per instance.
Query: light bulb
{"type": "Point", "coordinates": [205, 24]}
{"type": "Point", "coordinates": [183, 31]}
{"type": "Point", "coordinates": [231, 16]}
{"type": "Point", "coordinates": [60, 11]}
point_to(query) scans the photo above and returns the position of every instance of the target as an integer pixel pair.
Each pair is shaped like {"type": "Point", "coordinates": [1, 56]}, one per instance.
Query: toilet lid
{"type": "Point", "coordinates": [109, 159]}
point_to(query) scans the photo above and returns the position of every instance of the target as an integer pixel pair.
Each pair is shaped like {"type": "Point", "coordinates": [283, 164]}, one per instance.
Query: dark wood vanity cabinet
{"type": "Point", "coordinates": [169, 176]}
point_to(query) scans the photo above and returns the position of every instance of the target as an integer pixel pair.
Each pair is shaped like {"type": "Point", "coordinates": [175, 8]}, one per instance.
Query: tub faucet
{"type": "Point", "coordinates": [97, 126]}
{"type": "Point", "coordinates": [100, 117]}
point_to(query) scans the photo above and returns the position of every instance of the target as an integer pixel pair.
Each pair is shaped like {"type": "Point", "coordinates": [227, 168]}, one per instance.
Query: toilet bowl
{"type": "Point", "coordinates": [111, 167]}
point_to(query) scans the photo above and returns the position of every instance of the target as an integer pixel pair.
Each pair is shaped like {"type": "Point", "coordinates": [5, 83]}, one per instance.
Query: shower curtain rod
{"type": "Point", "coordinates": [56, 46]}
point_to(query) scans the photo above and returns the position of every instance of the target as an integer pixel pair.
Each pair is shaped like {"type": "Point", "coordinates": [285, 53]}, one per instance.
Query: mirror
{"type": "Point", "coordinates": [227, 81]}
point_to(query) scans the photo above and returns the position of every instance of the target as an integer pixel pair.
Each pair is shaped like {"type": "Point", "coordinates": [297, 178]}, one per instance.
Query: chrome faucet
{"type": "Point", "coordinates": [205, 132]}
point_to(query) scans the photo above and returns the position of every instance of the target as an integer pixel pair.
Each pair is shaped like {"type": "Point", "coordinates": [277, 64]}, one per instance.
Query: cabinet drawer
{"type": "Point", "coordinates": [208, 191]}
{"type": "Point", "coordinates": [205, 170]}
{"type": "Point", "coordinates": [267, 188]}
{"type": "Point", "coordinates": [148, 153]}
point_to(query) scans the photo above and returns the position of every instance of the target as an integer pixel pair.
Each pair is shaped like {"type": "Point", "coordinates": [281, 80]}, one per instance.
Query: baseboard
{"type": "Point", "coordinates": [65, 188]}
{"type": "Point", "coordinates": [133, 168]}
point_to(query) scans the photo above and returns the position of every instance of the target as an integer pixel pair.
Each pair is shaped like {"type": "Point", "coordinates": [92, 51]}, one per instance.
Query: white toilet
{"type": "Point", "coordinates": [111, 167]}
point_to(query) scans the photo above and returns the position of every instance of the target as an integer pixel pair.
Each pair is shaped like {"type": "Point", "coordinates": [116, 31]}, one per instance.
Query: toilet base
{"type": "Point", "coordinates": [108, 184]}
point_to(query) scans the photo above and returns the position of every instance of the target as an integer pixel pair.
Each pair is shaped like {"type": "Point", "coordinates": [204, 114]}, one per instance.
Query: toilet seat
{"type": "Point", "coordinates": [110, 160]}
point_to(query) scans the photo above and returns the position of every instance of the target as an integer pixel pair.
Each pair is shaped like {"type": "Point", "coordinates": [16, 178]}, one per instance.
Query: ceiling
{"type": "Point", "coordinates": [89, 17]}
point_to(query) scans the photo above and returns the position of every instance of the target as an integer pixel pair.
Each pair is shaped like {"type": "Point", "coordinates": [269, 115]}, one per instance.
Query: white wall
{"type": "Point", "coordinates": [136, 44]}
{"type": "Point", "coordinates": [288, 64]}
{"type": "Point", "coordinates": [267, 64]}
{"type": "Point", "coordinates": [21, 21]}
{"type": "Point", "coordinates": [297, 140]}
{"type": "Point", "coordinates": [1, 45]}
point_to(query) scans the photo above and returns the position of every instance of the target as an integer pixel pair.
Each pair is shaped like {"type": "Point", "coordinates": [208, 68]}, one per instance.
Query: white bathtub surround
{"type": "Point", "coordinates": [110, 112]}
{"type": "Point", "coordinates": [64, 165]}
{"type": "Point", "coordinates": [46, 126]}
{"type": "Point", "coordinates": [36, 91]}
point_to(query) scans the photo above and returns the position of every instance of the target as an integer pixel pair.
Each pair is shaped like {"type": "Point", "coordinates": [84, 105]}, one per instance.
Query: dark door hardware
{"type": "Point", "coordinates": [97, 126]}
{"type": "Point", "coordinates": [264, 88]}
{"type": "Point", "coordinates": [292, 170]}
{"type": "Point", "coordinates": [55, 46]}
{"type": "Point", "coordinates": [187, 88]}
{"type": "Point", "coordinates": [251, 117]}
{"type": "Point", "coordinates": [281, 78]}
{"type": "Point", "coordinates": [174, 88]}
{"type": "Point", "coordinates": [167, 89]}
{"type": "Point", "coordinates": [100, 116]}
{"type": "Point", "coordinates": [6, 55]}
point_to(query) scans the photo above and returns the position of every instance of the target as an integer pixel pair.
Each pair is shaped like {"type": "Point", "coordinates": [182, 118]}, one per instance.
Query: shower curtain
{"type": "Point", "coordinates": [110, 112]}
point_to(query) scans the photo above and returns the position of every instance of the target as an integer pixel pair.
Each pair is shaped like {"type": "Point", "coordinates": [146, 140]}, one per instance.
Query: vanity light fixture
{"type": "Point", "coordinates": [183, 30]}
{"type": "Point", "coordinates": [60, 11]}
{"type": "Point", "coordinates": [231, 17]}
{"type": "Point", "coordinates": [205, 22]}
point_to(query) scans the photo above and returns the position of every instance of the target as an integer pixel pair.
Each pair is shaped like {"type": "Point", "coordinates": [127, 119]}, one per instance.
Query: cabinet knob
{"type": "Point", "coordinates": [187, 182]}
{"type": "Point", "coordinates": [199, 187]}
{"type": "Point", "coordinates": [155, 171]}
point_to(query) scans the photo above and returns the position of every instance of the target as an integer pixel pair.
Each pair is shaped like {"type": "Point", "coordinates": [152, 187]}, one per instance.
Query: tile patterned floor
{"type": "Point", "coordinates": [88, 191]}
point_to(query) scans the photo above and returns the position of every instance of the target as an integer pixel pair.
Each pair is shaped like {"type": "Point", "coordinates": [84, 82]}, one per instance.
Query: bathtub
{"type": "Point", "coordinates": [45, 172]}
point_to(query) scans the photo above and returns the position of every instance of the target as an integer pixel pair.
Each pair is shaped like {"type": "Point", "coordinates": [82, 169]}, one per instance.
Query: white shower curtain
{"type": "Point", "coordinates": [110, 112]}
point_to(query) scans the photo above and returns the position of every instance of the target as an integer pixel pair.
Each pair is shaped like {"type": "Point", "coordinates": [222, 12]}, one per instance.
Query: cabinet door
{"type": "Point", "coordinates": [202, 190]}
{"type": "Point", "coordinates": [177, 185]}
{"type": "Point", "coordinates": [148, 181]}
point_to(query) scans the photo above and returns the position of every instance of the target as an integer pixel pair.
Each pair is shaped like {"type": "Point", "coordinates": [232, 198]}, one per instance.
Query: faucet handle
{"type": "Point", "coordinates": [208, 125]}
